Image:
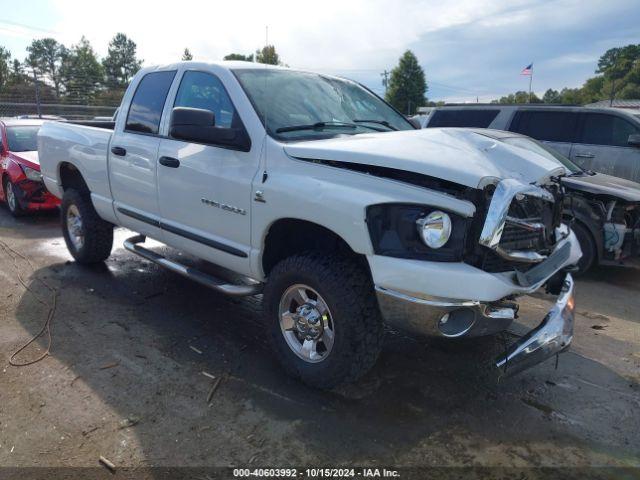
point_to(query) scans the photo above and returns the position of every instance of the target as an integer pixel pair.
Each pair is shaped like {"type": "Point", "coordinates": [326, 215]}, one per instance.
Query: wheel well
{"type": "Point", "coordinates": [70, 177]}
{"type": "Point", "coordinates": [289, 236]}
{"type": "Point", "coordinates": [590, 229]}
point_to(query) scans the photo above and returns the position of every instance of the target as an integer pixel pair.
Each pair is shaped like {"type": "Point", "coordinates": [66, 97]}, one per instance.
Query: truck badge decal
{"type": "Point", "coordinates": [224, 206]}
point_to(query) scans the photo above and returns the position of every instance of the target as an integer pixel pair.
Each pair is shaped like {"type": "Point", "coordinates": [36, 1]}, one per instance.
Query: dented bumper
{"type": "Point", "coordinates": [552, 336]}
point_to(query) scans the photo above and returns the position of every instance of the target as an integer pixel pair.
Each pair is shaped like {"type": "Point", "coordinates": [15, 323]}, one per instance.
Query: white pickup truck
{"type": "Point", "coordinates": [319, 195]}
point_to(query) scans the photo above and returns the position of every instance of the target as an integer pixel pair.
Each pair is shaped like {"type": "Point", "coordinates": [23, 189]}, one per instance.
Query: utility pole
{"type": "Point", "coordinates": [37, 85]}
{"type": "Point", "coordinates": [385, 80]}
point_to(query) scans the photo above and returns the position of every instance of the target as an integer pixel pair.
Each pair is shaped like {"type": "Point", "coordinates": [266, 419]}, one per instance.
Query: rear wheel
{"type": "Point", "coordinates": [322, 318]}
{"type": "Point", "coordinates": [588, 246]}
{"type": "Point", "coordinates": [88, 237]}
{"type": "Point", "coordinates": [11, 196]}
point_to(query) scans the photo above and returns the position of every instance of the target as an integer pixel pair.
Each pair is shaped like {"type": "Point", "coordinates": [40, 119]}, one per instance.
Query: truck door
{"type": "Point", "coordinates": [205, 188]}
{"type": "Point", "coordinates": [603, 146]}
{"type": "Point", "coordinates": [133, 155]}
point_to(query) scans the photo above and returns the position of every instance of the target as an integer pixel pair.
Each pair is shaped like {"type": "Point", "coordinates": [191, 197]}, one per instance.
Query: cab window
{"type": "Point", "coordinates": [148, 101]}
{"type": "Point", "coordinates": [604, 129]}
{"type": "Point", "coordinates": [205, 91]}
{"type": "Point", "coordinates": [548, 126]}
{"type": "Point", "coordinates": [469, 118]}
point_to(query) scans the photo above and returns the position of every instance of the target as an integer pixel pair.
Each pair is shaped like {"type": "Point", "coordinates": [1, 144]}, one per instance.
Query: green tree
{"type": "Point", "coordinates": [82, 73]}
{"type": "Point", "coordinates": [615, 64]}
{"type": "Point", "coordinates": [186, 55]}
{"type": "Point", "coordinates": [571, 96]}
{"type": "Point", "coordinates": [46, 56]}
{"type": "Point", "coordinates": [407, 85]}
{"type": "Point", "coordinates": [268, 55]}
{"type": "Point", "coordinates": [518, 98]}
{"type": "Point", "coordinates": [239, 56]}
{"type": "Point", "coordinates": [551, 96]}
{"type": "Point", "coordinates": [5, 69]}
{"type": "Point", "coordinates": [121, 63]}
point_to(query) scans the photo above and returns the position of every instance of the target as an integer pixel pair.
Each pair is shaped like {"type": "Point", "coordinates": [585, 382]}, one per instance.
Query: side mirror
{"type": "Point", "coordinates": [634, 140]}
{"type": "Point", "coordinates": [198, 125]}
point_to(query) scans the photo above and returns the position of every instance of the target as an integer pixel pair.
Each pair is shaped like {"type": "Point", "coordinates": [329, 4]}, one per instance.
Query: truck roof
{"type": "Point", "coordinates": [231, 65]}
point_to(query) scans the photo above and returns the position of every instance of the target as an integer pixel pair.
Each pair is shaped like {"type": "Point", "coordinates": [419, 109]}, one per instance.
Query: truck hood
{"type": "Point", "coordinates": [601, 184]}
{"type": "Point", "coordinates": [456, 155]}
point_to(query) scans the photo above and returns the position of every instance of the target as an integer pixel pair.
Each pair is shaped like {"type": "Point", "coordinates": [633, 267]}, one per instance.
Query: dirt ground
{"type": "Point", "coordinates": [132, 343]}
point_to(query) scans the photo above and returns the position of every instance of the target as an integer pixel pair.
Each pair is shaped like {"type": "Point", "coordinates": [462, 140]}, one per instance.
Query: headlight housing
{"type": "Point", "coordinates": [32, 174]}
{"type": "Point", "coordinates": [434, 228]}
{"type": "Point", "coordinates": [417, 232]}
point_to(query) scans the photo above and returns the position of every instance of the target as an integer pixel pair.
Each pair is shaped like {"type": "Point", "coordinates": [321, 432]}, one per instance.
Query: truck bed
{"type": "Point", "coordinates": [85, 145]}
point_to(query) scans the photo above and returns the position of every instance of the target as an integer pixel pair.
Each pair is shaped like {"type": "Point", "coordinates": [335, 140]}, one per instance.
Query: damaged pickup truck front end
{"type": "Point", "coordinates": [511, 242]}
{"type": "Point", "coordinates": [521, 246]}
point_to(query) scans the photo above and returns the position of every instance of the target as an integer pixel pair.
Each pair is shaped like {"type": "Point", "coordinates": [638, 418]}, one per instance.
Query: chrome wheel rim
{"type": "Point", "coordinates": [306, 323]}
{"type": "Point", "coordinates": [11, 197]}
{"type": "Point", "coordinates": [74, 227]}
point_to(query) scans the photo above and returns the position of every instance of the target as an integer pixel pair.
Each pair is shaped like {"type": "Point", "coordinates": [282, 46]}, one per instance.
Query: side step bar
{"type": "Point", "coordinates": [132, 244]}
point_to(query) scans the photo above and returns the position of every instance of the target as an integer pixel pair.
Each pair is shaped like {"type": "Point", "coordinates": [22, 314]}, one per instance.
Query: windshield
{"type": "Point", "coordinates": [298, 105]}
{"type": "Point", "coordinates": [540, 148]}
{"type": "Point", "coordinates": [23, 138]}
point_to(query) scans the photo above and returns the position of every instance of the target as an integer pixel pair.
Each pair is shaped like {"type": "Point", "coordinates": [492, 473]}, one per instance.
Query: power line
{"type": "Point", "coordinates": [28, 27]}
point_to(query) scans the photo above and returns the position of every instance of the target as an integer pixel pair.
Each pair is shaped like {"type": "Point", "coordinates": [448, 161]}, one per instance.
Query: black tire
{"type": "Point", "coordinates": [348, 292]}
{"type": "Point", "coordinates": [588, 246]}
{"type": "Point", "coordinates": [97, 234]}
{"type": "Point", "coordinates": [14, 206]}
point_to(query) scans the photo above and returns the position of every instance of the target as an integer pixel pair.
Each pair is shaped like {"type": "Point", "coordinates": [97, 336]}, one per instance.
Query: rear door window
{"type": "Point", "coordinates": [547, 126]}
{"type": "Point", "coordinates": [470, 118]}
{"type": "Point", "coordinates": [148, 101]}
{"type": "Point", "coordinates": [604, 129]}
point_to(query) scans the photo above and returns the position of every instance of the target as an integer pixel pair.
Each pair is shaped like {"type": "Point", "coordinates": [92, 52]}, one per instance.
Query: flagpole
{"type": "Point", "coordinates": [530, 80]}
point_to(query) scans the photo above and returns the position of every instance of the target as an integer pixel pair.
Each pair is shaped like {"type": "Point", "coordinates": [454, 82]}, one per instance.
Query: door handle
{"type": "Point", "coordinates": [585, 155]}
{"type": "Point", "coordinates": [169, 162]}
{"type": "Point", "coordinates": [119, 151]}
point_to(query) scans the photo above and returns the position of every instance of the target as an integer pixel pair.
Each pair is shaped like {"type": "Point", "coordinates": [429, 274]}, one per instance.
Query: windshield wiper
{"type": "Point", "coordinates": [380, 122]}
{"type": "Point", "coordinates": [316, 126]}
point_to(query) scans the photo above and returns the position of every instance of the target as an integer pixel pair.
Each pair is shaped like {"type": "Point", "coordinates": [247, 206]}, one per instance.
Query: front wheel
{"type": "Point", "coordinates": [11, 197]}
{"type": "Point", "coordinates": [322, 318]}
{"type": "Point", "coordinates": [588, 246]}
{"type": "Point", "coordinates": [88, 237]}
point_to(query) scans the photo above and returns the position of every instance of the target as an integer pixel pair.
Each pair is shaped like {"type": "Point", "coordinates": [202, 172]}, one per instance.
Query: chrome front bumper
{"type": "Point", "coordinates": [552, 336]}
{"type": "Point", "coordinates": [453, 319]}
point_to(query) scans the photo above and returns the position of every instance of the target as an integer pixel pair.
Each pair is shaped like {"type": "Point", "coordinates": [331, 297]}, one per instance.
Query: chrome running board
{"type": "Point", "coordinates": [132, 244]}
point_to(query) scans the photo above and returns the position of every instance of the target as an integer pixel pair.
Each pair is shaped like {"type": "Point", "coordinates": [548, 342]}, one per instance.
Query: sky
{"type": "Point", "coordinates": [469, 49]}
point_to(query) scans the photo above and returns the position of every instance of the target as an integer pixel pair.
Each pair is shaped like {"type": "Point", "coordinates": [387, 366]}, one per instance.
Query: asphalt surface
{"type": "Point", "coordinates": [125, 379]}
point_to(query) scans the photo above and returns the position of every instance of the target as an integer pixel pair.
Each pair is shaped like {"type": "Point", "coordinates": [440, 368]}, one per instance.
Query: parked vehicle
{"type": "Point", "coordinates": [22, 186]}
{"type": "Point", "coordinates": [605, 140]}
{"type": "Point", "coordinates": [605, 210]}
{"type": "Point", "coordinates": [327, 200]}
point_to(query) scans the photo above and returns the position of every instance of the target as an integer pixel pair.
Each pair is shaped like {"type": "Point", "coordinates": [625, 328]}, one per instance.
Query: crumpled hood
{"type": "Point", "coordinates": [602, 184]}
{"type": "Point", "coordinates": [31, 157]}
{"type": "Point", "coordinates": [457, 155]}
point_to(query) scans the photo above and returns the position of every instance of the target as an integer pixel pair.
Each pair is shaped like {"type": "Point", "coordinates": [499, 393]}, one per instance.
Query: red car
{"type": "Point", "coordinates": [22, 186]}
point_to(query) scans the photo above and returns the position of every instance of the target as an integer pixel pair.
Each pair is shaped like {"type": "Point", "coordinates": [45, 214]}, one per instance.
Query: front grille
{"type": "Point", "coordinates": [518, 238]}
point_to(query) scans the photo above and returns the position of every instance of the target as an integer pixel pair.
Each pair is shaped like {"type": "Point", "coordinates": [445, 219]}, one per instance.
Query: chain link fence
{"type": "Point", "coordinates": [39, 99]}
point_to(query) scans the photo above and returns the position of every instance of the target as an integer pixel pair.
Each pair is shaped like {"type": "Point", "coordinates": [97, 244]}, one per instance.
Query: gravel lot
{"type": "Point", "coordinates": [131, 342]}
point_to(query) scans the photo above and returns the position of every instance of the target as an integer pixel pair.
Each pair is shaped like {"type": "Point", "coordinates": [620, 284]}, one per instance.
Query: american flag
{"type": "Point", "coordinates": [528, 70]}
